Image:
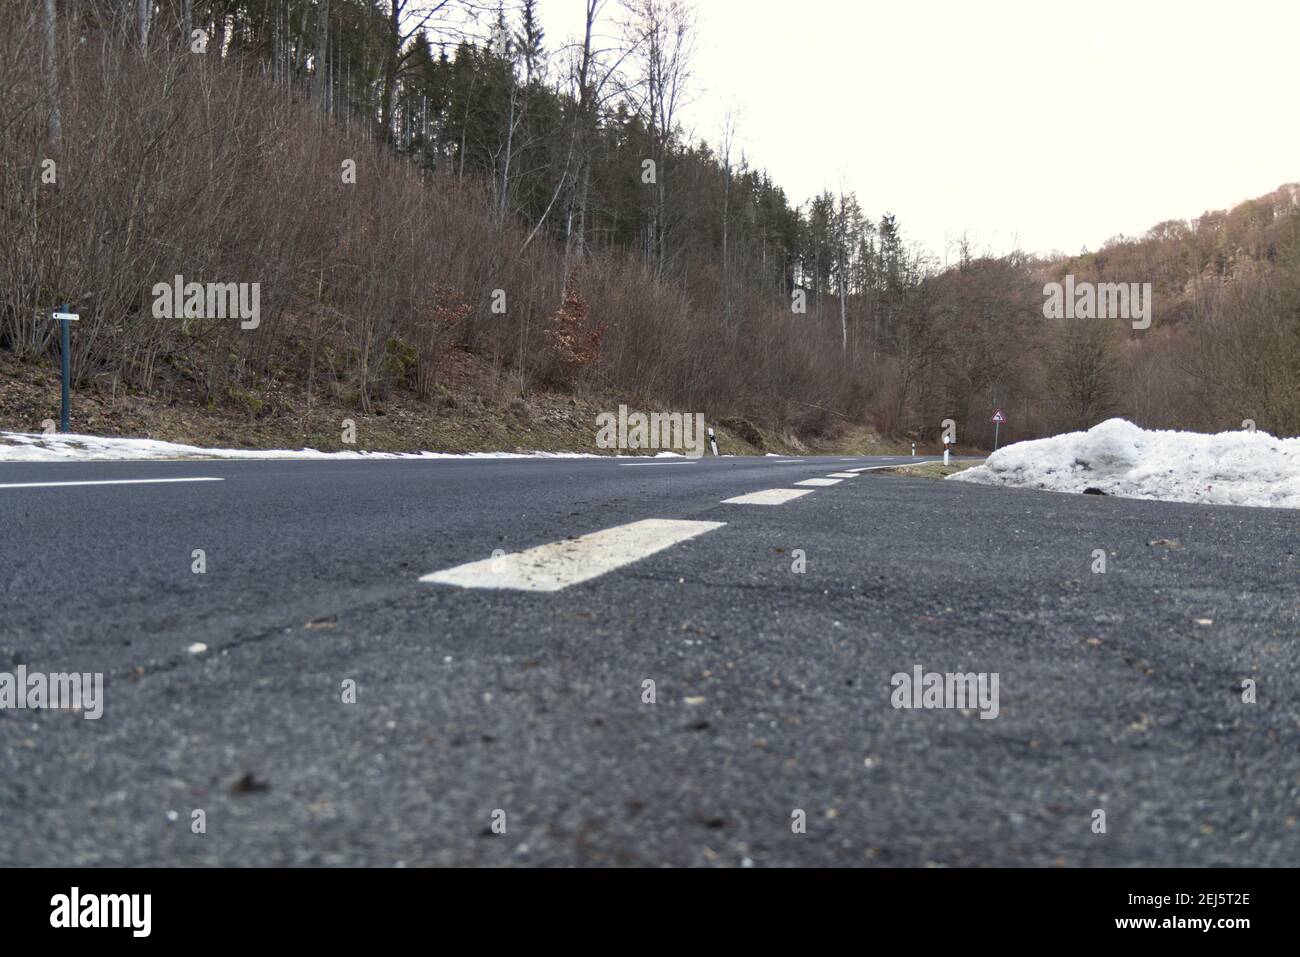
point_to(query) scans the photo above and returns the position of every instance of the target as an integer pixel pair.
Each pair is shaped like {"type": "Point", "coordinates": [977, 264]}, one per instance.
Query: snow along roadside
{"type": "Point", "coordinates": [1118, 458]}
{"type": "Point", "coordinates": [29, 447]}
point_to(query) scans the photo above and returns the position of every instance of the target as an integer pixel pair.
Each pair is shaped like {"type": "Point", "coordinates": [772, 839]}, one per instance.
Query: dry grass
{"type": "Point", "coordinates": [930, 470]}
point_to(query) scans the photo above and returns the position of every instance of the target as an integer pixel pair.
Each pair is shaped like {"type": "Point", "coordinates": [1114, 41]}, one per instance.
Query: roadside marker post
{"type": "Point", "coordinates": [913, 450]}
{"type": "Point", "coordinates": [713, 443]}
{"type": "Point", "coordinates": [946, 440]}
{"type": "Point", "coordinates": [65, 320]}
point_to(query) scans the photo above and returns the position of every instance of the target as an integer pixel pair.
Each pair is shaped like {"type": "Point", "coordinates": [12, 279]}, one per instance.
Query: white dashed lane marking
{"type": "Point", "coordinates": [671, 462]}
{"type": "Point", "coordinates": [554, 567]}
{"type": "Point", "coordinates": [842, 475]}
{"type": "Point", "coordinates": [820, 482]}
{"type": "Point", "coordinates": [771, 496]}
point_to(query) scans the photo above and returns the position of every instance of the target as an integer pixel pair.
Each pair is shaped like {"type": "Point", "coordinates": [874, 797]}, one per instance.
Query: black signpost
{"type": "Point", "coordinates": [65, 320]}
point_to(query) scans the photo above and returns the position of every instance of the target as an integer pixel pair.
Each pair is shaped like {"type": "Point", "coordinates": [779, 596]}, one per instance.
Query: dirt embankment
{"type": "Point", "coordinates": [476, 410]}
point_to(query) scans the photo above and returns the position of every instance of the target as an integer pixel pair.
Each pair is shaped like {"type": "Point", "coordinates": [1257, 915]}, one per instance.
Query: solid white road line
{"type": "Point", "coordinates": [669, 462]}
{"type": "Point", "coordinates": [771, 496]}
{"type": "Point", "coordinates": [843, 475]}
{"type": "Point", "coordinates": [788, 462]}
{"type": "Point", "coordinates": [819, 483]}
{"type": "Point", "coordinates": [108, 482]}
{"type": "Point", "coordinates": [554, 567]}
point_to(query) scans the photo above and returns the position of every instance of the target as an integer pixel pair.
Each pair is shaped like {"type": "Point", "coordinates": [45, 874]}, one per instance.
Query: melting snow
{"type": "Point", "coordinates": [25, 447]}
{"type": "Point", "coordinates": [1117, 457]}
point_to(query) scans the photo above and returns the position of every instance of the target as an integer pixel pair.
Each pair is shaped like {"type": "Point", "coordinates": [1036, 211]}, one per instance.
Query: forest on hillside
{"type": "Point", "coordinates": [409, 177]}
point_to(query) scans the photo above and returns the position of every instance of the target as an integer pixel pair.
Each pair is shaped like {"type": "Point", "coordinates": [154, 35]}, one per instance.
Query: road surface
{"type": "Point", "coordinates": [482, 710]}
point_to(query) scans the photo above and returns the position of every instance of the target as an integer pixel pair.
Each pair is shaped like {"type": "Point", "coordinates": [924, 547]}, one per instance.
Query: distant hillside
{"type": "Point", "coordinates": [1223, 345]}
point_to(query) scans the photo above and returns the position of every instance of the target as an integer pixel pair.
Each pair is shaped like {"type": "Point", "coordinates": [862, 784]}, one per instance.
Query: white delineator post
{"type": "Point", "coordinates": [713, 442]}
{"type": "Point", "coordinates": [913, 450]}
{"type": "Point", "coordinates": [945, 449]}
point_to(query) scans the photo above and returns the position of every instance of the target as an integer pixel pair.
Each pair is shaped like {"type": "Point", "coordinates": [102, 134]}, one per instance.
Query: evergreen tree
{"type": "Point", "coordinates": [529, 40]}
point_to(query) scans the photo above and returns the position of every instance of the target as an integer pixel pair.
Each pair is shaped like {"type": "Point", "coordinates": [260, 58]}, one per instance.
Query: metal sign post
{"type": "Point", "coordinates": [65, 319]}
{"type": "Point", "coordinates": [998, 418]}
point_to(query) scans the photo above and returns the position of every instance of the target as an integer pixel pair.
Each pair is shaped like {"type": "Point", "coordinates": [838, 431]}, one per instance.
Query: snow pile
{"type": "Point", "coordinates": [1118, 458]}
{"type": "Point", "coordinates": [25, 447]}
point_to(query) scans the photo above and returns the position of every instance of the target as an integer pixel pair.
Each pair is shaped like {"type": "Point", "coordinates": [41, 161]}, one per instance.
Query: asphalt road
{"type": "Point", "coordinates": [1118, 692]}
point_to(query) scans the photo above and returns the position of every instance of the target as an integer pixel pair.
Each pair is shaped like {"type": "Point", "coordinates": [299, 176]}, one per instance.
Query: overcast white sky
{"type": "Point", "coordinates": [1038, 124]}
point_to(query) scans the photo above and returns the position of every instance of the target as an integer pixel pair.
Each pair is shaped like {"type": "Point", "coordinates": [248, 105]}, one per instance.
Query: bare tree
{"type": "Point", "coordinates": [1082, 369]}
{"type": "Point", "coordinates": [54, 121]}
{"type": "Point", "coordinates": [663, 34]}
{"type": "Point", "coordinates": [590, 78]}
{"type": "Point", "coordinates": [842, 244]}
{"type": "Point", "coordinates": [584, 130]}
{"type": "Point", "coordinates": [144, 14]}
{"type": "Point", "coordinates": [319, 87]}
{"type": "Point", "coordinates": [513, 118]}
{"type": "Point", "coordinates": [918, 338]}
{"type": "Point", "coordinates": [727, 141]}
